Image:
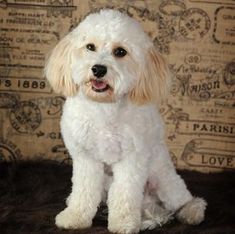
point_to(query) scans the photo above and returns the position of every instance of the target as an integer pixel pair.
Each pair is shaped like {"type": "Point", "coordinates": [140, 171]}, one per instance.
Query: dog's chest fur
{"type": "Point", "coordinates": [105, 132]}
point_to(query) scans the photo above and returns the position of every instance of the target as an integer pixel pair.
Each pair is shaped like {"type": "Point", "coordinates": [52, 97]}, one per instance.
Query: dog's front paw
{"type": "Point", "coordinates": [125, 224]}
{"type": "Point", "coordinates": [193, 212]}
{"type": "Point", "coordinates": [70, 219]}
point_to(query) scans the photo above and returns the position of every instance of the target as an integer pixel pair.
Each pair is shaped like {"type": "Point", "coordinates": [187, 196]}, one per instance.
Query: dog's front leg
{"type": "Point", "coordinates": [126, 195]}
{"type": "Point", "coordinates": [85, 197]}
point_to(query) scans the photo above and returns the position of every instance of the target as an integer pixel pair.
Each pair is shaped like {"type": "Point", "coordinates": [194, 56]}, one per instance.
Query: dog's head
{"type": "Point", "coordinates": [108, 57]}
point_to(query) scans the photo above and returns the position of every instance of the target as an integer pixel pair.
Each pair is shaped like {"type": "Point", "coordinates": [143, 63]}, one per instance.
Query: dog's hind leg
{"type": "Point", "coordinates": [172, 190]}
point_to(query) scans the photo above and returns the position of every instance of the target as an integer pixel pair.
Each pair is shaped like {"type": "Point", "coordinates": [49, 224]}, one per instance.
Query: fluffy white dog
{"type": "Point", "coordinates": [112, 75]}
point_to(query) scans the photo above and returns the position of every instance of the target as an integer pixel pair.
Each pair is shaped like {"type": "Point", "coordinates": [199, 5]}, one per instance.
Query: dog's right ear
{"type": "Point", "coordinates": [58, 68]}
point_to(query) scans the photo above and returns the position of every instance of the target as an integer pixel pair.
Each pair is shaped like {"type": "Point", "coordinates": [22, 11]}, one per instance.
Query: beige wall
{"type": "Point", "coordinates": [197, 38]}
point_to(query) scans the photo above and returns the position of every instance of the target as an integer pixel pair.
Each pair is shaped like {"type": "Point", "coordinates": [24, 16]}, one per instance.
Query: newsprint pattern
{"type": "Point", "coordinates": [197, 38]}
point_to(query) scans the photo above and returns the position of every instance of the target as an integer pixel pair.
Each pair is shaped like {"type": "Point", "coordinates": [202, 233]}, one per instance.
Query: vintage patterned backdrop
{"type": "Point", "coordinates": [196, 36]}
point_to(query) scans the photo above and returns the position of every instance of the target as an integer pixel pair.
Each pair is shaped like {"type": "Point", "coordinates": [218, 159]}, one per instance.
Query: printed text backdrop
{"type": "Point", "coordinates": [198, 39]}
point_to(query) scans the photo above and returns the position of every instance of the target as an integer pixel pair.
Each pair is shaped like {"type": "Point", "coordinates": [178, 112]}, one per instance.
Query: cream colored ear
{"type": "Point", "coordinates": [58, 68]}
{"type": "Point", "coordinates": [154, 82]}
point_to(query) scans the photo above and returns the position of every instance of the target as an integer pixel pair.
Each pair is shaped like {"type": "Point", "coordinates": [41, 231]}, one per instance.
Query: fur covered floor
{"type": "Point", "coordinates": [31, 194]}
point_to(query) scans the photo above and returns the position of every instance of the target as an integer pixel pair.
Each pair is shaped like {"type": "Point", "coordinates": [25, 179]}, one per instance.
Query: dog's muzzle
{"type": "Point", "coordinates": [99, 84]}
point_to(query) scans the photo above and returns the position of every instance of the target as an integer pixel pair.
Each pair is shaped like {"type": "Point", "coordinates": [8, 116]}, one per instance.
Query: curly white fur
{"type": "Point", "coordinates": [118, 128]}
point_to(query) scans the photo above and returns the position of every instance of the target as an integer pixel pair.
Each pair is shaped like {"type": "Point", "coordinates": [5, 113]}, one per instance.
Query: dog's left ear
{"type": "Point", "coordinates": [154, 82]}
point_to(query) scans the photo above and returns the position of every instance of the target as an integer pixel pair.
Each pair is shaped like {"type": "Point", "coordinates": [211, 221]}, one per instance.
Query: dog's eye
{"type": "Point", "coordinates": [119, 52]}
{"type": "Point", "coordinates": [91, 47]}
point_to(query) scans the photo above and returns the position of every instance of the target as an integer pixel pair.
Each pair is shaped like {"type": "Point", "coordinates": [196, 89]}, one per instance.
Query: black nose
{"type": "Point", "coordinates": [99, 70]}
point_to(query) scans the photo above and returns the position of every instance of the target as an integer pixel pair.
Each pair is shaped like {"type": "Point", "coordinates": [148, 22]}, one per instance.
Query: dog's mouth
{"type": "Point", "coordinates": [99, 85]}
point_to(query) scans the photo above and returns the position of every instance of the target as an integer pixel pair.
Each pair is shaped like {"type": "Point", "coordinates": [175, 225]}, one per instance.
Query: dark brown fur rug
{"type": "Point", "coordinates": [32, 193]}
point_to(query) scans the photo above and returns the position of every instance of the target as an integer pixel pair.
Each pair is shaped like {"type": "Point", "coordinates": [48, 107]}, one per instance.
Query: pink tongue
{"type": "Point", "coordinates": [99, 84]}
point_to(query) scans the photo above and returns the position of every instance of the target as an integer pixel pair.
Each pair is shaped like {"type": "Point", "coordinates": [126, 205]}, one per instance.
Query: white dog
{"type": "Point", "coordinates": [112, 75]}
